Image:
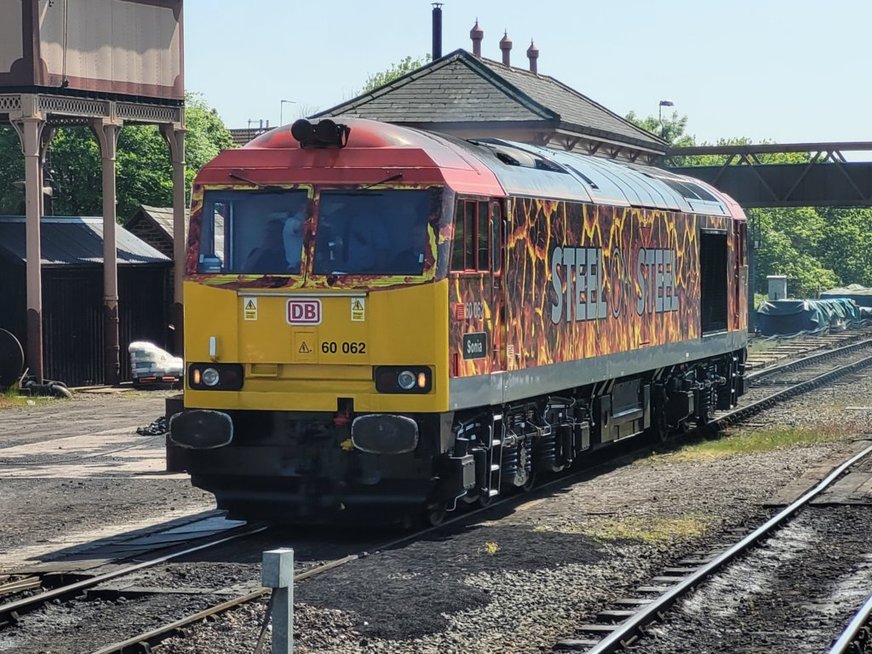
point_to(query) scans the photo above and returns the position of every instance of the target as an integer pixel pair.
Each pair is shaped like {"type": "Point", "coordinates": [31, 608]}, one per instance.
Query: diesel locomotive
{"type": "Point", "coordinates": [390, 321]}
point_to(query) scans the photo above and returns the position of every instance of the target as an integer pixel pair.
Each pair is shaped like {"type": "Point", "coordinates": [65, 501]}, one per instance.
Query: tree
{"type": "Point", "coordinates": [792, 243]}
{"type": "Point", "coordinates": [396, 71]}
{"type": "Point", "coordinates": [671, 129]}
{"type": "Point", "coordinates": [143, 166]}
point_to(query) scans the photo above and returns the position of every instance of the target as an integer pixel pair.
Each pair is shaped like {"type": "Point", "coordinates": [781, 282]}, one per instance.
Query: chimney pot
{"type": "Point", "coordinates": [533, 55]}
{"type": "Point", "coordinates": [506, 47]}
{"type": "Point", "coordinates": [477, 35]}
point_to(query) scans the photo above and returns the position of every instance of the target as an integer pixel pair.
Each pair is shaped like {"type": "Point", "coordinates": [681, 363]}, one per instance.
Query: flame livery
{"type": "Point", "coordinates": [584, 281]}
{"type": "Point", "coordinates": [383, 319]}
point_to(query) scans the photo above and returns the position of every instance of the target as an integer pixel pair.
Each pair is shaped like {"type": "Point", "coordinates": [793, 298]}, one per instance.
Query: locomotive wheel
{"type": "Point", "coordinates": [658, 429]}
{"type": "Point", "coordinates": [527, 486]}
{"type": "Point", "coordinates": [484, 499]}
{"type": "Point", "coordinates": [435, 515]}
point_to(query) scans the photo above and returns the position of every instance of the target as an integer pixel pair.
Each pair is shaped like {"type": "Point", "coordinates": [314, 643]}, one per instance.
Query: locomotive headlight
{"type": "Point", "coordinates": [215, 376]}
{"type": "Point", "coordinates": [211, 377]}
{"type": "Point", "coordinates": [407, 380]}
{"type": "Point", "coordinates": [403, 379]}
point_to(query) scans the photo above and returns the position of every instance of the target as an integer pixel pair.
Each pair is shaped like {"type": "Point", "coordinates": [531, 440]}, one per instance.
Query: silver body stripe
{"type": "Point", "coordinates": [502, 387]}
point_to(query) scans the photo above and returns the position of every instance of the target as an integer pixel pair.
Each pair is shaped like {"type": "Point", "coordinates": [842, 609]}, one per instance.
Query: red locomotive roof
{"type": "Point", "coordinates": [374, 152]}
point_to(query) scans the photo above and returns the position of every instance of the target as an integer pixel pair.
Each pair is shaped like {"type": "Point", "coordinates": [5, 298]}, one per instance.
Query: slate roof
{"type": "Point", "coordinates": [162, 217]}
{"type": "Point", "coordinates": [573, 108]}
{"type": "Point", "coordinates": [154, 225]}
{"type": "Point", "coordinates": [74, 240]}
{"type": "Point", "coordinates": [462, 88]}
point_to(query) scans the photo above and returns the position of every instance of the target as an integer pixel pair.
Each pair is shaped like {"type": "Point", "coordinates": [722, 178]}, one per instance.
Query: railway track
{"type": "Point", "coordinates": [857, 635]}
{"type": "Point", "coordinates": [640, 616]}
{"type": "Point", "coordinates": [143, 641]}
{"type": "Point", "coordinates": [154, 634]}
{"type": "Point", "coordinates": [11, 612]}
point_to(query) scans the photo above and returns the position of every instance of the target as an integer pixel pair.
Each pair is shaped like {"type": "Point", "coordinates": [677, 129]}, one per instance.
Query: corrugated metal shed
{"type": "Point", "coordinates": [69, 240]}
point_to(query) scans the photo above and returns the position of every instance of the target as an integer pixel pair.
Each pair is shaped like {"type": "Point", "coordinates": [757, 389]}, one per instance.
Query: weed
{"type": "Point", "coordinates": [491, 548]}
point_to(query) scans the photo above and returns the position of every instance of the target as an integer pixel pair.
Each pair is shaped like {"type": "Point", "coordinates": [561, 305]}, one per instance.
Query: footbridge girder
{"type": "Point", "coordinates": [824, 177]}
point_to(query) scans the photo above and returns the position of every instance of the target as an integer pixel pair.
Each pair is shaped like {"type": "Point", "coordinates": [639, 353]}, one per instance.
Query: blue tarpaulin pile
{"type": "Point", "coordinates": [789, 317]}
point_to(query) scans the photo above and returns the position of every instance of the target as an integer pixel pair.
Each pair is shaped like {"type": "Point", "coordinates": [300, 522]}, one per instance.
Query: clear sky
{"type": "Point", "coordinates": [780, 70]}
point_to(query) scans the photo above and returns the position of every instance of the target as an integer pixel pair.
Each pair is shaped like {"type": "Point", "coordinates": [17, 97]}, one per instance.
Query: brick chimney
{"type": "Point", "coordinates": [477, 35]}
{"type": "Point", "coordinates": [533, 55]}
{"type": "Point", "coordinates": [506, 47]}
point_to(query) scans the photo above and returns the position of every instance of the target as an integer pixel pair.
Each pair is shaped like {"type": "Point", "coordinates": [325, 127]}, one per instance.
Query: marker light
{"type": "Point", "coordinates": [211, 377]}
{"type": "Point", "coordinates": [196, 377]}
{"type": "Point", "coordinates": [406, 380]}
{"type": "Point", "coordinates": [422, 380]}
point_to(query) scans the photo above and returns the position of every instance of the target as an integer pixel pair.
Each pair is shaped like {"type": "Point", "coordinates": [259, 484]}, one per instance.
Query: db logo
{"type": "Point", "coordinates": [304, 312]}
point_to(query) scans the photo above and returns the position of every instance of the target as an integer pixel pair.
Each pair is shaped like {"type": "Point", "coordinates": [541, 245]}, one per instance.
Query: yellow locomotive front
{"type": "Point", "coordinates": [316, 337]}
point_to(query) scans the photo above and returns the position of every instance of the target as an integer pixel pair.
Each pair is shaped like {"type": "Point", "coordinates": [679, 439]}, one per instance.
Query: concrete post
{"type": "Point", "coordinates": [175, 138]}
{"type": "Point", "coordinates": [277, 572]}
{"type": "Point", "coordinates": [107, 135]}
{"type": "Point", "coordinates": [30, 131]}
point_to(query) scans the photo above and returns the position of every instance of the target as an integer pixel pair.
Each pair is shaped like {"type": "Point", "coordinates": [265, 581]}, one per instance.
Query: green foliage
{"type": "Point", "coordinates": [791, 243]}
{"type": "Point", "coordinates": [405, 66]}
{"type": "Point", "coordinates": [11, 170]}
{"type": "Point", "coordinates": [816, 248]}
{"type": "Point", "coordinates": [143, 165]}
{"type": "Point", "coordinates": [671, 129]}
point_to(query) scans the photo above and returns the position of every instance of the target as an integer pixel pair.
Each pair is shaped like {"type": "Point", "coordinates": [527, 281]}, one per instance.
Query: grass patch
{"type": "Point", "coordinates": [11, 399]}
{"type": "Point", "coordinates": [753, 442]}
{"type": "Point", "coordinates": [653, 529]}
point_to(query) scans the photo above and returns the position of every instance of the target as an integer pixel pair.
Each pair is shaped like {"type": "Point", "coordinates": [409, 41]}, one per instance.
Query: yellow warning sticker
{"type": "Point", "coordinates": [249, 308]}
{"type": "Point", "coordinates": [358, 309]}
{"type": "Point", "coordinates": [304, 347]}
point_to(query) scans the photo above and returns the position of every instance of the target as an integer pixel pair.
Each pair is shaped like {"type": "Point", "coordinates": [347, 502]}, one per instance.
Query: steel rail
{"type": "Point", "coordinates": [10, 611]}
{"type": "Point", "coordinates": [142, 642]}
{"type": "Point", "coordinates": [847, 642]}
{"type": "Point", "coordinates": [806, 361]}
{"type": "Point", "coordinates": [628, 631]}
{"type": "Point", "coordinates": [759, 405]}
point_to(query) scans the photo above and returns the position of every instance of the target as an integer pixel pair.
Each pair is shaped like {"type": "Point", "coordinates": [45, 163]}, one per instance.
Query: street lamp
{"type": "Point", "coordinates": [663, 103]}
{"type": "Point", "coordinates": [281, 110]}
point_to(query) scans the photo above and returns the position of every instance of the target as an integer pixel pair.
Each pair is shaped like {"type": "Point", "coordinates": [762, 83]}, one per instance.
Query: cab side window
{"type": "Point", "coordinates": [471, 251]}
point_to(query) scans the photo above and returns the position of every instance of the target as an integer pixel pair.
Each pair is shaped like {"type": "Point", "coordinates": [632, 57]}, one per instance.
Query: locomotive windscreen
{"type": "Point", "coordinates": [252, 232]}
{"type": "Point", "coordinates": [372, 232]}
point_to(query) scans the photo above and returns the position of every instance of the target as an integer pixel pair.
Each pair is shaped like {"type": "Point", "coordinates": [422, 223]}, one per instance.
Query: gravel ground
{"type": "Point", "coordinates": [526, 580]}
{"type": "Point", "coordinates": [517, 583]}
{"type": "Point", "coordinates": [49, 500]}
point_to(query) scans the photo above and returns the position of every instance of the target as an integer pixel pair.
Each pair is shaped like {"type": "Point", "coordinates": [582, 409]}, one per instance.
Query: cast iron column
{"type": "Point", "coordinates": [107, 134]}
{"type": "Point", "coordinates": [31, 135]}
{"type": "Point", "coordinates": [175, 137]}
